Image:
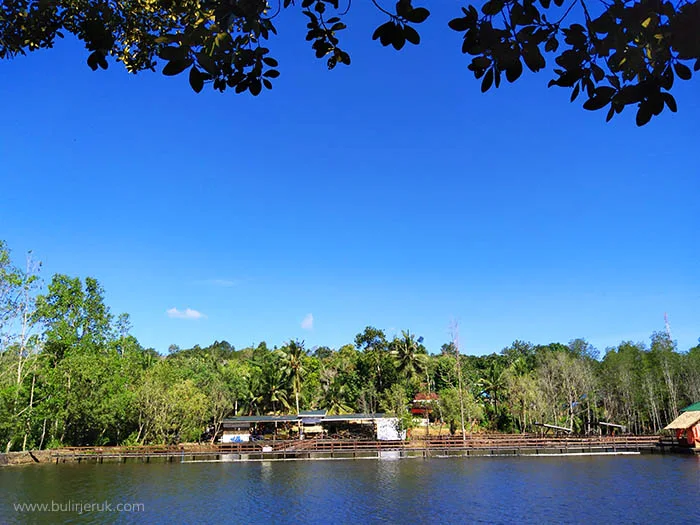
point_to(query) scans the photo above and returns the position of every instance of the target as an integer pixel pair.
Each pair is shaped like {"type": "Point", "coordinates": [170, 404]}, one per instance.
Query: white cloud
{"type": "Point", "coordinates": [308, 322]}
{"type": "Point", "coordinates": [187, 313]}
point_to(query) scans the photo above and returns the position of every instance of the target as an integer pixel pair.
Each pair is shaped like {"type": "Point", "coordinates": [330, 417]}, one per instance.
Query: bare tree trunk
{"type": "Point", "coordinates": [29, 418]}
{"type": "Point", "coordinates": [455, 340]}
{"type": "Point", "coordinates": [43, 435]}
{"type": "Point", "coordinates": [24, 311]}
{"type": "Point", "coordinates": [672, 391]}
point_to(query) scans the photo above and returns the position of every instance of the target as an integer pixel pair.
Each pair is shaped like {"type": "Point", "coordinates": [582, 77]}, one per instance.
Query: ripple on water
{"type": "Point", "coordinates": [634, 489]}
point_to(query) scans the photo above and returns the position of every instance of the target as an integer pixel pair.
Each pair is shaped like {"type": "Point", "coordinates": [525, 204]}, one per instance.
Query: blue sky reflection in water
{"type": "Point", "coordinates": [630, 489]}
{"type": "Point", "coordinates": [389, 193]}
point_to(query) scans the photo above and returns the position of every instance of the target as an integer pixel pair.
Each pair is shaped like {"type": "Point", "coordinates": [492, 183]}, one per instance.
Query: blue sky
{"type": "Point", "coordinates": [390, 193]}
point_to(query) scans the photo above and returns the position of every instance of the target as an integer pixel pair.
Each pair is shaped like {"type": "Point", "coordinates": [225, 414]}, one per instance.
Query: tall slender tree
{"type": "Point", "coordinates": [292, 361]}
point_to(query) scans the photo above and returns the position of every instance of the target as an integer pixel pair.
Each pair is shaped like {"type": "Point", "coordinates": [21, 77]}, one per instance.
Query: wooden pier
{"type": "Point", "coordinates": [474, 445]}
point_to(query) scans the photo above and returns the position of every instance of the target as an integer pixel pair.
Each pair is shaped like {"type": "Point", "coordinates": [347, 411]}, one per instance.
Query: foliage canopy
{"type": "Point", "coordinates": [71, 374]}
{"type": "Point", "coordinates": [615, 53]}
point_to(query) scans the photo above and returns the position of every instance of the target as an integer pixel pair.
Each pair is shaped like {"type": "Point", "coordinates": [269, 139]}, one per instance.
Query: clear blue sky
{"type": "Point", "coordinates": [390, 193]}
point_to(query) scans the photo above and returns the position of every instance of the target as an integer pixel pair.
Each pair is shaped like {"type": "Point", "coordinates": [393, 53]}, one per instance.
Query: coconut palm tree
{"type": "Point", "coordinates": [292, 364]}
{"type": "Point", "coordinates": [411, 359]}
{"type": "Point", "coordinates": [493, 383]}
{"type": "Point", "coordinates": [275, 388]}
{"type": "Point", "coordinates": [335, 392]}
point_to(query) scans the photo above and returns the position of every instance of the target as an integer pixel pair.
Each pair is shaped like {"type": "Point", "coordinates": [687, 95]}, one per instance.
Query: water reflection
{"type": "Point", "coordinates": [455, 490]}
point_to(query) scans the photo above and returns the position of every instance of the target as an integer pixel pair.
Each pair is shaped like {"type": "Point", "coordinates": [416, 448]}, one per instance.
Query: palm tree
{"type": "Point", "coordinates": [335, 392]}
{"type": "Point", "coordinates": [253, 395]}
{"type": "Point", "coordinates": [492, 383]}
{"type": "Point", "coordinates": [410, 360]}
{"type": "Point", "coordinates": [275, 388]}
{"type": "Point", "coordinates": [292, 361]}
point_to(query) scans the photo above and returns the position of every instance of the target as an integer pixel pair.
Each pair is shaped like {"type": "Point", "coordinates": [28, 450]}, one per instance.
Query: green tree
{"type": "Point", "coordinates": [376, 358]}
{"type": "Point", "coordinates": [19, 348]}
{"type": "Point", "coordinates": [274, 389]}
{"type": "Point", "coordinates": [523, 395]}
{"type": "Point", "coordinates": [335, 392]}
{"type": "Point", "coordinates": [74, 316]}
{"type": "Point", "coordinates": [371, 338]}
{"type": "Point", "coordinates": [410, 355]}
{"type": "Point", "coordinates": [625, 389]}
{"type": "Point", "coordinates": [77, 329]}
{"type": "Point", "coordinates": [493, 383]}
{"type": "Point", "coordinates": [292, 361]}
{"type": "Point", "coordinates": [236, 375]}
{"type": "Point", "coordinates": [395, 403]}
{"type": "Point", "coordinates": [171, 409]}
{"type": "Point", "coordinates": [691, 375]}
{"type": "Point", "coordinates": [567, 381]}
{"type": "Point", "coordinates": [450, 408]}
{"type": "Point", "coordinates": [667, 362]}
{"type": "Point", "coordinates": [322, 352]}
{"type": "Point", "coordinates": [83, 379]}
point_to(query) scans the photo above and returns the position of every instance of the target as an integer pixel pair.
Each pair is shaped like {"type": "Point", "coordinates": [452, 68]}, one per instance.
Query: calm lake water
{"type": "Point", "coordinates": [621, 489]}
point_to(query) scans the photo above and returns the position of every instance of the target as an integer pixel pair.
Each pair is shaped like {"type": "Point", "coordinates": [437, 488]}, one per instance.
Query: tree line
{"type": "Point", "coordinates": [71, 373]}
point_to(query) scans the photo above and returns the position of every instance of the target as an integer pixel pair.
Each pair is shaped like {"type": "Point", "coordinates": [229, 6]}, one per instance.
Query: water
{"type": "Point", "coordinates": [627, 489]}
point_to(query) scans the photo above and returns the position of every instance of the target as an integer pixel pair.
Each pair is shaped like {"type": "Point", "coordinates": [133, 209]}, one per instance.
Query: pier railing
{"type": "Point", "coordinates": [492, 442]}
{"type": "Point", "coordinates": [477, 441]}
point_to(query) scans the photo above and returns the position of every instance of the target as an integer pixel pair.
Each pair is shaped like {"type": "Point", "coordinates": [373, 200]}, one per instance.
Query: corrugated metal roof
{"type": "Point", "coordinates": [309, 416]}
{"type": "Point", "coordinates": [353, 417]}
{"type": "Point", "coordinates": [685, 420]}
{"type": "Point", "coordinates": [260, 419]}
{"type": "Point", "coordinates": [692, 408]}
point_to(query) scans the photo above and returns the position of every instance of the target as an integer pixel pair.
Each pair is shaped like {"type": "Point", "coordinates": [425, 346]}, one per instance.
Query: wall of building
{"type": "Point", "coordinates": [235, 437]}
{"type": "Point", "coordinates": [388, 429]}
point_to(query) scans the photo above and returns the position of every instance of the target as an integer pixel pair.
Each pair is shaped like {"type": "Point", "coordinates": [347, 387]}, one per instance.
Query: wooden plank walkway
{"type": "Point", "coordinates": [478, 444]}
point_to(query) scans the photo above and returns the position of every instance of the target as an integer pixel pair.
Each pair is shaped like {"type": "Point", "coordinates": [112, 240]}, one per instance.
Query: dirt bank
{"type": "Point", "coordinates": [25, 458]}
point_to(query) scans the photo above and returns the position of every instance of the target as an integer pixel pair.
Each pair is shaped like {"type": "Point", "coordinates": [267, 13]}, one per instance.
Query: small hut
{"type": "Point", "coordinates": [424, 403]}
{"type": "Point", "coordinates": [687, 426]}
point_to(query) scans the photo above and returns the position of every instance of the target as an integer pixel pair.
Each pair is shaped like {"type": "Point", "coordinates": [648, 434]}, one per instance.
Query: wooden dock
{"type": "Point", "coordinates": [417, 447]}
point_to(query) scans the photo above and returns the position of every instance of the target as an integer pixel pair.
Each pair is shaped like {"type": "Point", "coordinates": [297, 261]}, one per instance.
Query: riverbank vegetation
{"type": "Point", "coordinates": [71, 373]}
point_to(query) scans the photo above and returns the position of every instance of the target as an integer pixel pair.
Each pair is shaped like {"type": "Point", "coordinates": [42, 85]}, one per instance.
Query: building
{"type": "Point", "coordinates": [687, 426]}
{"type": "Point", "coordinates": [247, 428]}
{"type": "Point", "coordinates": [312, 423]}
{"type": "Point", "coordinates": [364, 426]}
{"type": "Point", "coordinates": [235, 432]}
{"type": "Point", "coordinates": [424, 404]}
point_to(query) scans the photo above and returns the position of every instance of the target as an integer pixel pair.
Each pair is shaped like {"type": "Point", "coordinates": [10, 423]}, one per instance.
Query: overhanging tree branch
{"type": "Point", "coordinates": [629, 55]}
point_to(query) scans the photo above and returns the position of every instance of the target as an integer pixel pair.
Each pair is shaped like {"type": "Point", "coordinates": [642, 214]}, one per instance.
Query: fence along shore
{"type": "Point", "coordinates": [418, 446]}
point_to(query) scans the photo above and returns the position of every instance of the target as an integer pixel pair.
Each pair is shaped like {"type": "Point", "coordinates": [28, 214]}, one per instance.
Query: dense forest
{"type": "Point", "coordinates": [72, 374]}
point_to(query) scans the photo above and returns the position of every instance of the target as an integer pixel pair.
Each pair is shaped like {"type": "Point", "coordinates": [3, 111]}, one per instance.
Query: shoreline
{"type": "Point", "coordinates": [315, 450]}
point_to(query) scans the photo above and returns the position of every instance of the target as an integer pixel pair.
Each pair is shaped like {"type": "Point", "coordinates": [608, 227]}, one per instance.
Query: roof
{"type": "Point", "coordinates": [685, 420]}
{"type": "Point", "coordinates": [353, 417]}
{"type": "Point", "coordinates": [260, 419]}
{"type": "Point", "coordinates": [308, 417]}
{"type": "Point", "coordinates": [312, 413]}
{"type": "Point", "coordinates": [692, 408]}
